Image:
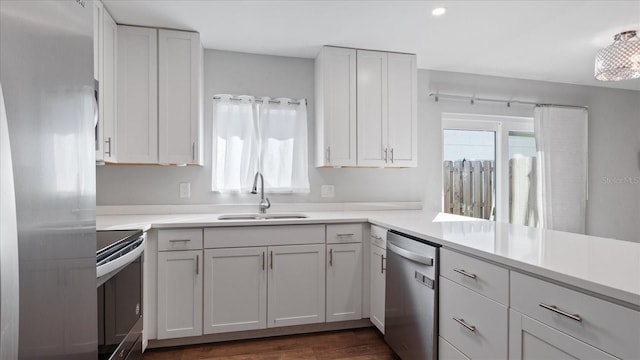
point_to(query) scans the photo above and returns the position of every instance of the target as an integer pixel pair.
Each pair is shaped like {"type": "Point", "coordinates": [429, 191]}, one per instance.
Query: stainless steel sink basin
{"type": "Point", "coordinates": [261, 216]}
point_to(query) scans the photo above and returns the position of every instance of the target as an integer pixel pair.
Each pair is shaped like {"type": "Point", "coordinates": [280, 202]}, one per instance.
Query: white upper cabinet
{"type": "Point", "coordinates": [137, 131]}
{"type": "Point", "coordinates": [372, 108]}
{"type": "Point", "coordinates": [159, 96]}
{"type": "Point", "coordinates": [179, 97]}
{"type": "Point", "coordinates": [335, 77]}
{"type": "Point", "coordinates": [402, 107]}
{"type": "Point", "coordinates": [105, 37]}
{"type": "Point", "coordinates": [375, 94]}
{"type": "Point", "coordinates": [108, 85]}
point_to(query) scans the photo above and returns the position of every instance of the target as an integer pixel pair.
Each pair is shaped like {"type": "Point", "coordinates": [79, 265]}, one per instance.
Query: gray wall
{"type": "Point", "coordinates": [614, 142]}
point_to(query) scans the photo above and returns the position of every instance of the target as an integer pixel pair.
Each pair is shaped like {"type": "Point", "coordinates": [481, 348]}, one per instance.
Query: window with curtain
{"type": "Point", "coordinates": [266, 135]}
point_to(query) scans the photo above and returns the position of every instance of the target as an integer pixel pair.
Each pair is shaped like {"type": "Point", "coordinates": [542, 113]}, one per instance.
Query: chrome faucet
{"type": "Point", "coordinates": [264, 202]}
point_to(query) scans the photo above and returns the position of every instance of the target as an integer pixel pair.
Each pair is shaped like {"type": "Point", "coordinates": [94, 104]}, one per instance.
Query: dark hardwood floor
{"type": "Point", "coordinates": [359, 344]}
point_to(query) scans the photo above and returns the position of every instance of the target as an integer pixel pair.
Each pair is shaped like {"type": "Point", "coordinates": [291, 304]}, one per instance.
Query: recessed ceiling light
{"type": "Point", "coordinates": [439, 11]}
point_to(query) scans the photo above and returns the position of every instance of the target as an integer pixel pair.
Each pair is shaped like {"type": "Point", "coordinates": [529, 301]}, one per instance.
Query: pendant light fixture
{"type": "Point", "coordinates": [620, 60]}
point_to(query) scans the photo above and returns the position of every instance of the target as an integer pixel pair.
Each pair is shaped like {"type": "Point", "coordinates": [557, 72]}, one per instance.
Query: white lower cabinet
{"type": "Point", "coordinates": [378, 284]}
{"type": "Point", "coordinates": [296, 285]}
{"type": "Point", "coordinates": [235, 289]}
{"type": "Point", "coordinates": [446, 351]}
{"type": "Point", "coordinates": [474, 324]}
{"type": "Point", "coordinates": [533, 340]}
{"type": "Point", "coordinates": [179, 294]}
{"type": "Point", "coordinates": [252, 288]}
{"type": "Point", "coordinates": [344, 282]}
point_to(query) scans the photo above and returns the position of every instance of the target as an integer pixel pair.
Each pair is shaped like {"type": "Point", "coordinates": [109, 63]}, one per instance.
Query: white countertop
{"type": "Point", "coordinates": [607, 267]}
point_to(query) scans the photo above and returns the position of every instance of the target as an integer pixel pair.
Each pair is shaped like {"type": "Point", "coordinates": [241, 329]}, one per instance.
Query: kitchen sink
{"type": "Point", "coordinates": [261, 216]}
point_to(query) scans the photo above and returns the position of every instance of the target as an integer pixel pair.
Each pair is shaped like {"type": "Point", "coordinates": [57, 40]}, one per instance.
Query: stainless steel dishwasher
{"type": "Point", "coordinates": [411, 297]}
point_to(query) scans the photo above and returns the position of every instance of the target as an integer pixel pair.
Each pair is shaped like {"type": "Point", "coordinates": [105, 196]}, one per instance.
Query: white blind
{"type": "Point", "coordinates": [266, 135]}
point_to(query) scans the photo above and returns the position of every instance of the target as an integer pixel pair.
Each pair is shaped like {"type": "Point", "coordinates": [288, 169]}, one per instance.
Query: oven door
{"type": "Point", "coordinates": [120, 314]}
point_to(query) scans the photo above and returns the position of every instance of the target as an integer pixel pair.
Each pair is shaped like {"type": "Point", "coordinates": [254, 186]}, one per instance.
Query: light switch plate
{"type": "Point", "coordinates": [185, 190]}
{"type": "Point", "coordinates": [327, 191]}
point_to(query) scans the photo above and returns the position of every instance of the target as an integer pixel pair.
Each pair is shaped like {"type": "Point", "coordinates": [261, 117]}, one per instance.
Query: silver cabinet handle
{"type": "Point", "coordinates": [193, 151]}
{"type": "Point", "coordinates": [410, 255]}
{"type": "Point", "coordinates": [197, 264]}
{"type": "Point", "coordinates": [179, 240]}
{"type": "Point", "coordinates": [465, 273]}
{"type": "Point", "coordinates": [382, 264]}
{"type": "Point", "coordinates": [392, 155]}
{"type": "Point", "coordinates": [108, 141]}
{"type": "Point", "coordinates": [328, 153]}
{"type": "Point", "coordinates": [385, 154]}
{"type": "Point", "coordinates": [463, 323]}
{"type": "Point", "coordinates": [376, 237]}
{"type": "Point", "coordinates": [350, 234]}
{"type": "Point", "coordinates": [263, 261]}
{"type": "Point", "coordinates": [555, 309]}
{"type": "Point", "coordinates": [331, 257]}
{"type": "Point", "coordinates": [271, 255]}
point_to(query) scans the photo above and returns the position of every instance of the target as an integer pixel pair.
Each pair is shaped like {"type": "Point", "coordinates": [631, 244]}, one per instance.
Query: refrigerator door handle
{"type": "Point", "coordinates": [9, 279]}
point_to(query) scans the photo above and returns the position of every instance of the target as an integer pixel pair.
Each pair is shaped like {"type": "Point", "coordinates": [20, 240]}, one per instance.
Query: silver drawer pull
{"type": "Point", "coordinates": [463, 323]}
{"type": "Point", "coordinates": [179, 240]}
{"type": "Point", "coordinates": [463, 272]}
{"type": "Point", "coordinates": [351, 234]}
{"type": "Point", "coordinates": [376, 237]}
{"type": "Point", "coordinates": [555, 309]}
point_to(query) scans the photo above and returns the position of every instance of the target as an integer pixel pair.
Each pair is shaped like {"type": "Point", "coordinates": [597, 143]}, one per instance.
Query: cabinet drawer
{"type": "Point", "coordinates": [481, 329]}
{"type": "Point", "coordinates": [379, 236]}
{"type": "Point", "coordinates": [487, 279]}
{"type": "Point", "coordinates": [446, 351]}
{"type": "Point", "coordinates": [604, 325]}
{"type": "Point", "coordinates": [225, 237]}
{"type": "Point", "coordinates": [344, 233]}
{"type": "Point", "coordinates": [183, 239]}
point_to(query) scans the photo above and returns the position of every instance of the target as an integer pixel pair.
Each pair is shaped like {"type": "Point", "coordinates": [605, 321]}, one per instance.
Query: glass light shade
{"type": "Point", "coordinates": [620, 60]}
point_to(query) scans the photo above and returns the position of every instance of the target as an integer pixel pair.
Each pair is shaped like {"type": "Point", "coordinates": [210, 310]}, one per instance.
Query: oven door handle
{"type": "Point", "coordinates": [105, 271]}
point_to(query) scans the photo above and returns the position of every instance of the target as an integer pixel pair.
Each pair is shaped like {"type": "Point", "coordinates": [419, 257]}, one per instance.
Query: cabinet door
{"type": "Point", "coordinates": [235, 289]}
{"type": "Point", "coordinates": [137, 130]}
{"type": "Point", "coordinates": [108, 104]}
{"type": "Point", "coordinates": [344, 282]}
{"type": "Point", "coordinates": [336, 107]}
{"type": "Point", "coordinates": [179, 294]}
{"type": "Point", "coordinates": [403, 110]}
{"type": "Point", "coordinates": [372, 108]}
{"type": "Point", "coordinates": [296, 285]}
{"type": "Point", "coordinates": [530, 339]}
{"type": "Point", "coordinates": [98, 11]}
{"type": "Point", "coordinates": [377, 274]}
{"type": "Point", "coordinates": [179, 84]}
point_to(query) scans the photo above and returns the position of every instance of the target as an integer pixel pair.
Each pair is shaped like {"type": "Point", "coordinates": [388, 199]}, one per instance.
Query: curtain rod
{"type": "Point", "coordinates": [236, 98]}
{"type": "Point", "coordinates": [473, 99]}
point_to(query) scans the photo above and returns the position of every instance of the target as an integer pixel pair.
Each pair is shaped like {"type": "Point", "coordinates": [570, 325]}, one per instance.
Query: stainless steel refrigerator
{"type": "Point", "coordinates": [48, 306]}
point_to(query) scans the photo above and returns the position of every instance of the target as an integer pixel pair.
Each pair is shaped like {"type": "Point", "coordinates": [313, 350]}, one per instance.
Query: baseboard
{"type": "Point", "coordinates": [256, 334]}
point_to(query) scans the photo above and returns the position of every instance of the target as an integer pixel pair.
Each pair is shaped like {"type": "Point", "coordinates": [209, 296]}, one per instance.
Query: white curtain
{"type": "Point", "coordinates": [235, 145]}
{"type": "Point", "coordinates": [266, 135]}
{"type": "Point", "coordinates": [283, 159]}
{"type": "Point", "coordinates": [561, 142]}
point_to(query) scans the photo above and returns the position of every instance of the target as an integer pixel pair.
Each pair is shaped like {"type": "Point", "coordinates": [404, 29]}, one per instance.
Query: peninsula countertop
{"type": "Point", "coordinates": [605, 267]}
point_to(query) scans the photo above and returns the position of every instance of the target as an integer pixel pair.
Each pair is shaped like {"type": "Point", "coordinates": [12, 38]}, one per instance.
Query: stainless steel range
{"type": "Point", "coordinates": [119, 258]}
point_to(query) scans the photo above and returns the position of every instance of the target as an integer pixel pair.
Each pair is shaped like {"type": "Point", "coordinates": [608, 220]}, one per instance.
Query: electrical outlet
{"type": "Point", "coordinates": [185, 190]}
{"type": "Point", "coordinates": [327, 191]}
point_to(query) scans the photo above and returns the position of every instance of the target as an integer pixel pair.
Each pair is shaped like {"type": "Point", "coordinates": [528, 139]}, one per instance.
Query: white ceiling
{"type": "Point", "coordinates": [542, 40]}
